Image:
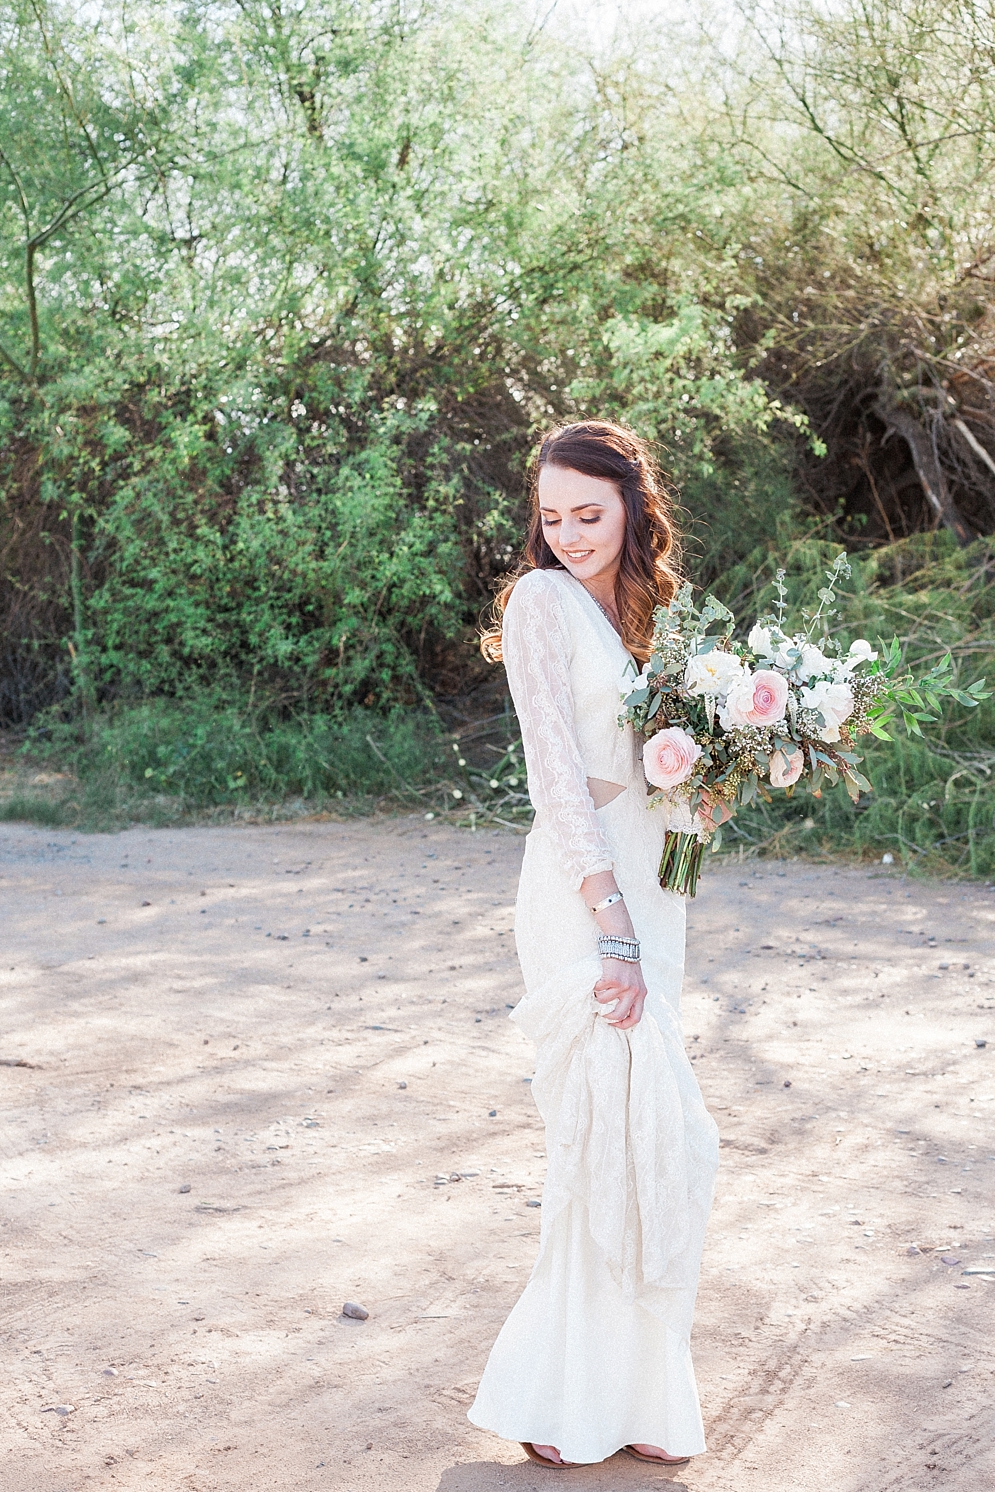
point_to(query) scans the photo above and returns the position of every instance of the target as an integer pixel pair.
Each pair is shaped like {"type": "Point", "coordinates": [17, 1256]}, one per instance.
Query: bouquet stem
{"type": "Point", "coordinates": [682, 854]}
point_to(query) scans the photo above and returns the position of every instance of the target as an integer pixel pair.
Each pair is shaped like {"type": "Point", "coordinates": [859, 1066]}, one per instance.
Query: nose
{"type": "Point", "coordinates": [570, 532]}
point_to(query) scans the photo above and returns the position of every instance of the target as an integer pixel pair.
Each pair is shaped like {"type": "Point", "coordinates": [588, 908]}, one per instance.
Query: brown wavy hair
{"type": "Point", "coordinates": [648, 572]}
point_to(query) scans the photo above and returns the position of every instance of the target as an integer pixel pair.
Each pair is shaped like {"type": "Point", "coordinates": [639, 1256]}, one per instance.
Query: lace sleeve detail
{"type": "Point", "coordinates": [536, 657]}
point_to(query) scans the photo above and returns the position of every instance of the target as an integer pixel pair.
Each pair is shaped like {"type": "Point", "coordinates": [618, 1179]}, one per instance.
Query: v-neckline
{"type": "Point", "coordinates": [599, 613]}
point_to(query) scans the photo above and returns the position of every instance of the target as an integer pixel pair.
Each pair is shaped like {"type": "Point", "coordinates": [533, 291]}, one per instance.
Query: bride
{"type": "Point", "coordinates": [595, 1357]}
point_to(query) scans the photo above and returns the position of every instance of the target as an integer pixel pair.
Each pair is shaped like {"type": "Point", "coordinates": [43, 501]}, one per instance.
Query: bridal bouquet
{"type": "Point", "coordinates": [727, 724]}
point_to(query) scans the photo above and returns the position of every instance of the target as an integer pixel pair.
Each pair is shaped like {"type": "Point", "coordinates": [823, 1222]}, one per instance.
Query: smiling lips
{"type": "Point", "coordinates": [578, 556]}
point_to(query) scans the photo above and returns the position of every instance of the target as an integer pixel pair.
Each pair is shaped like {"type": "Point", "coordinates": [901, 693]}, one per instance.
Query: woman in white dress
{"type": "Point", "coordinates": [595, 1357]}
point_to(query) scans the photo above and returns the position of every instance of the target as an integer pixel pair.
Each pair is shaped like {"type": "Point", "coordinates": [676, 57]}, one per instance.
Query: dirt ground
{"type": "Point", "coordinates": [348, 1118]}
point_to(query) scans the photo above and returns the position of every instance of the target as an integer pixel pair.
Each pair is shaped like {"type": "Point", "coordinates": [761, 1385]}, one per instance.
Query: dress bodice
{"type": "Point", "coordinates": [565, 664]}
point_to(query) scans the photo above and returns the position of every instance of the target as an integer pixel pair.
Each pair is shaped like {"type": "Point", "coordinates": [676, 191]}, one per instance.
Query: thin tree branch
{"type": "Point", "coordinates": [29, 282]}
{"type": "Point", "coordinates": [67, 90]}
{"type": "Point", "coordinates": [25, 210]}
{"type": "Point", "coordinates": [975, 444]}
{"type": "Point", "coordinates": [13, 363]}
{"type": "Point", "coordinates": [75, 205]}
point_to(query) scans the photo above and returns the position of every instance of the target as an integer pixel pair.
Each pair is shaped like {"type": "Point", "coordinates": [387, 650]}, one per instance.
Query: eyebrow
{"type": "Point", "coordinates": [578, 509]}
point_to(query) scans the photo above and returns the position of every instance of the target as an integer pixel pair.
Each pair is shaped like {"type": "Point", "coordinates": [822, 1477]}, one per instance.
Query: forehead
{"type": "Point", "coordinates": [562, 488]}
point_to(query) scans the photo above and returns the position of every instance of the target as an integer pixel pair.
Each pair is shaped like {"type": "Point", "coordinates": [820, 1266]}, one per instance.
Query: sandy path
{"type": "Point", "coordinates": [202, 1041]}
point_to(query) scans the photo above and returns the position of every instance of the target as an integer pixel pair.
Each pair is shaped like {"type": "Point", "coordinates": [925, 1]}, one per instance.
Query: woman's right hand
{"type": "Point", "coordinates": [620, 982]}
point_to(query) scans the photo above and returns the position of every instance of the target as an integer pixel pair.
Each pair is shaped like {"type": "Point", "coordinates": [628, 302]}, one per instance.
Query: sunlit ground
{"type": "Point", "coordinates": [269, 1071]}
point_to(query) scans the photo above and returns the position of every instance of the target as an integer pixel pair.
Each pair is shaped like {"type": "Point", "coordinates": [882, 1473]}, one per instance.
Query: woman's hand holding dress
{"type": "Point", "coordinates": [620, 982]}
{"type": "Point", "coordinates": [623, 983]}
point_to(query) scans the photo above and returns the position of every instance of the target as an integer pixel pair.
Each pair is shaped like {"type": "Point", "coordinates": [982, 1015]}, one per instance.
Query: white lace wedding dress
{"type": "Point", "coordinates": [596, 1353]}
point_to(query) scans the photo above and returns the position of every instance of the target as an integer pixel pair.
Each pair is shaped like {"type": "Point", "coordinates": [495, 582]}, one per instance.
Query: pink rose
{"type": "Point", "coordinates": [759, 700]}
{"type": "Point", "coordinates": [669, 757]}
{"type": "Point", "coordinates": [786, 767]}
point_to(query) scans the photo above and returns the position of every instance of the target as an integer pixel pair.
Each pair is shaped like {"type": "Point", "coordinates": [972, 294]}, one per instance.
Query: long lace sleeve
{"type": "Point", "coordinates": [536, 658]}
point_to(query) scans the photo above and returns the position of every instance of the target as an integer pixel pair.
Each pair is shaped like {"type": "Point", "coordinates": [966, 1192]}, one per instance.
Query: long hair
{"type": "Point", "coordinates": [648, 573]}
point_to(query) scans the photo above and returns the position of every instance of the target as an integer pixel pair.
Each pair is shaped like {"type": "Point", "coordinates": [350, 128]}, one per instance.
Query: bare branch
{"type": "Point", "coordinates": [928, 468]}
{"type": "Point", "coordinates": [25, 210]}
{"type": "Point", "coordinates": [975, 444]}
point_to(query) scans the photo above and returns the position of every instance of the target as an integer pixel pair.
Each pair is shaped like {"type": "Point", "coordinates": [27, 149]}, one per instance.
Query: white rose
{"type": "Point", "coordinates": [631, 682]}
{"type": "Point", "coordinates": [739, 700]}
{"type": "Point", "coordinates": [782, 644]}
{"type": "Point", "coordinates": [860, 652]}
{"type": "Point", "coordinates": [771, 643]}
{"type": "Point", "coordinates": [761, 641]}
{"type": "Point", "coordinates": [833, 701]}
{"type": "Point", "coordinates": [713, 673]}
{"type": "Point", "coordinates": [813, 662]}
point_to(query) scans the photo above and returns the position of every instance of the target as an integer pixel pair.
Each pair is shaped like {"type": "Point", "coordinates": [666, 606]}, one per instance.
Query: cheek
{"type": "Point", "coordinates": [613, 530]}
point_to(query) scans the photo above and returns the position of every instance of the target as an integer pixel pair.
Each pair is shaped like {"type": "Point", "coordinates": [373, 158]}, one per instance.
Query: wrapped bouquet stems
{"type": "Point", "coordinates": [681, 862]}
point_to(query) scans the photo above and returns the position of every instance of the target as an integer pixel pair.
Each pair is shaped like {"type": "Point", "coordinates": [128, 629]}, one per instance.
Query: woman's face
{"type": "Point", "coordinates": [583, 521]}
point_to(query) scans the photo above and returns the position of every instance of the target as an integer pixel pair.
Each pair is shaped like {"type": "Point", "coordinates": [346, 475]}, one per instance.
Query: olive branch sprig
{"type": "Point", "coordinates": [919, 701]}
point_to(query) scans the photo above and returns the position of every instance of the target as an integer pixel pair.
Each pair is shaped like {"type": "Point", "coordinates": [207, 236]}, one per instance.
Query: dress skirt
{"type": "Point", "coordinates": [596, 1353]}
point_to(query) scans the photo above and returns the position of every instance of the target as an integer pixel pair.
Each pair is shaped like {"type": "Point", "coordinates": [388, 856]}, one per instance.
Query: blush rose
{"type": "Point", "coordinates": [669, 757]}
{"type": "Point", "coordinates": [759, 700]}
{"type": "Point", "coordinates": [786, 767]}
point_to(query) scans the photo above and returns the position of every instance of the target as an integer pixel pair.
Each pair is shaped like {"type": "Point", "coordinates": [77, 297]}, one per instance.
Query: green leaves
{"type": "Point", "coordinates": [819, 619]}
{"type": "Point", "coordinates": [681, 381]}
{"type": "Point", "coordinates": [920, 701]}
{"type": "Point", "coordinates": [748, 789]}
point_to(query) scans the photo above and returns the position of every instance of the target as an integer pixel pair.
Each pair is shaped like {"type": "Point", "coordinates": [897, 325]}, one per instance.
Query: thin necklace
{"type": "Point", "coordinates": [603, 612]}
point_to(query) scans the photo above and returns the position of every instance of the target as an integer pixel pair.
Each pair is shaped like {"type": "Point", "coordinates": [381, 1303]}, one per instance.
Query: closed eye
{"type": "Point", "coordinates": [552, 522]}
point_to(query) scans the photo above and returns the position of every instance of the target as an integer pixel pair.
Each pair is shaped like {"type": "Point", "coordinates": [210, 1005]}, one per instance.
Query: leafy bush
{"type": "Point", "coordinates": [286, 297]}
{"type": "Point", "coordinates": [319, 588]}
{"type": "Point", "coordinates": [167, 759]}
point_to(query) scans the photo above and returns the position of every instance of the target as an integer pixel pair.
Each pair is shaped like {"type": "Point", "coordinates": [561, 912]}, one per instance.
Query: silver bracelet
{"type": "Point", "coordinates": [609, 901]}
{"type": "Point", "coordinates": [625, 949]}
